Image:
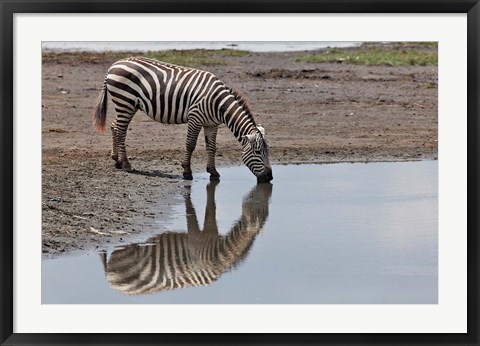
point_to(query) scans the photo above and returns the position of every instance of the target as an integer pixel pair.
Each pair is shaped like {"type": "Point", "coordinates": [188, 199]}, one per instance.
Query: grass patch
{"type": "Point", "coordinates": [231, 52]}
{"type": "Point", "coordinates": [195, 57]}
{"type": "Point", "coordinates": [373, 56]}
{"type": "Point", "coordinates": [190, 58]}
{"type": "Point", "coordinates": [429, 85]}
{"type": "Point", "coordinates": [422, 43]}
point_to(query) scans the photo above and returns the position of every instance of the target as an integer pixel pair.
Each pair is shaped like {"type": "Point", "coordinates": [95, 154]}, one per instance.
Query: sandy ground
{"type": "Point", "coordinates": [328, 112]}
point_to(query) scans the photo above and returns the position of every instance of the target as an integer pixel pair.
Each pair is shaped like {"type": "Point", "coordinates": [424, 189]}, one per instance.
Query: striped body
{"type": "Point", "coordinates": [196, 258]}
{"type": "Point", "coordinates": [173, 94]}
{"type": "Point", "coordinates": [166, 93]}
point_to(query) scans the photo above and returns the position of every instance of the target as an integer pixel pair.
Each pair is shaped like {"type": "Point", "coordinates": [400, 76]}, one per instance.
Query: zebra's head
{"type": "Point", "coordinates": [255, 155]}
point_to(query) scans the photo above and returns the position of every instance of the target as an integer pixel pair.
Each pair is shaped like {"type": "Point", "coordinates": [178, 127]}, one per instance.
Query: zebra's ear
{"type": "Point", "coordinates": [250, 137]}
{"type": "Point", "coordinates": [261, 129]}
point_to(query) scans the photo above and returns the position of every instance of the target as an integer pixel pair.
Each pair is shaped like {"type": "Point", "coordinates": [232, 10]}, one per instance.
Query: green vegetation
{"type": "Point", "coordinates": [422, 43]}
{"type": "Point", "coordinates": [429, 85]}
{"type": "Point", "coordinates": [374, 56]}
{"type": "Point", "coordinates": [193, 58]}
{"type": "Point", "coordinates": [190, 58]}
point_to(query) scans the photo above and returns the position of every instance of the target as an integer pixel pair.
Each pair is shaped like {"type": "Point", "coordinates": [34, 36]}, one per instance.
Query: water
{"type": "Point", "coordinates": [336, 233]}
{"type": "Point", "coordinates": [271, 46]}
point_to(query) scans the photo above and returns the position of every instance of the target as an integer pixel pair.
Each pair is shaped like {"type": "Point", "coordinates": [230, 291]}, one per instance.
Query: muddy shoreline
{"type": "Point", "coordinates": [312, 112]}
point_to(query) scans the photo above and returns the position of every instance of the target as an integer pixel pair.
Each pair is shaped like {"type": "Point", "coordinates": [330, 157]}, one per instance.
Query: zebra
{"type": "Point", "coordinates": [173, 94]}
{"type": "Point", "coordinates": [175, 260]}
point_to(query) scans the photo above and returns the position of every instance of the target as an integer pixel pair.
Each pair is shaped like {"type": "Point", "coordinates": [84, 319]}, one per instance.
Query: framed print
{"type": "Point", "coordinates": [331, 197]}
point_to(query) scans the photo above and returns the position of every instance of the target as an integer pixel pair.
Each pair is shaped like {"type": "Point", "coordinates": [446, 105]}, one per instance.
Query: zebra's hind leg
{"type": "Point", "coordinates": [211, 146]}
{"type": "Point", "coordinates": [114, 152]}
{"type": "Point", "coordinates": [122, 122]}
{"type": "Point", "coordinates": [192, 136]}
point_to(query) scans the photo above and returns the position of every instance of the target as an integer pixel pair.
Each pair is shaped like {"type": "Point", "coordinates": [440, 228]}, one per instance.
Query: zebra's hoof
{"type": "Point", "coordinates": [214, 175]}
{"type": "Point", "coordinates": [187, 176]}
{"type": "Point", "coordinates": [126, 166]}
{"type": "Point", "coordinates": [118, 165]}
{"type": "Point", "coordinates": [214, 178]}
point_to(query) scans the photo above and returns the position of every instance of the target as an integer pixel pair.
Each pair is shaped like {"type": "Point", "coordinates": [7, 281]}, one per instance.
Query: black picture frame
{"type": "Point", "coordinates": [10, 7]}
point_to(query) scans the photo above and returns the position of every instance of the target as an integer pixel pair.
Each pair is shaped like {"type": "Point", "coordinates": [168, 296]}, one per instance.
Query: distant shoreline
{"type": "Point", "coordinates": [285, 46]}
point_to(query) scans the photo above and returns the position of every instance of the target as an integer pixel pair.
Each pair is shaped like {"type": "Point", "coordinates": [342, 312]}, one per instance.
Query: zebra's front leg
{"type": "Point", "coordinates": [122, 122]}
{"type": "Point", "coordinates": [211, 146]}
{"type": "Point", "coordinates": [192, 136]}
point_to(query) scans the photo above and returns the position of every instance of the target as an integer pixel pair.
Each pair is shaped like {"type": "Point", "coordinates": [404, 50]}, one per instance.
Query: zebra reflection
{"type": "Point", "coordinates": [196, 258]}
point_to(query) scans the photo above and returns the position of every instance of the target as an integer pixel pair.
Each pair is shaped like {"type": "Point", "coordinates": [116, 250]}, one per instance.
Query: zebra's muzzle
{"type": "Point", "coordinates": [266, 176]}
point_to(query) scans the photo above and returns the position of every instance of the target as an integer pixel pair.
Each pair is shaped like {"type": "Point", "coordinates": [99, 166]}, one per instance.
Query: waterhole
{"type": "Point", "coordinates": [318, 234]}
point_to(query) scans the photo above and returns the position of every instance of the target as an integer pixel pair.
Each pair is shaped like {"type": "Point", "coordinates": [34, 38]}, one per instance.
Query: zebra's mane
{"type": "Point", "coordinates": [243, 103]}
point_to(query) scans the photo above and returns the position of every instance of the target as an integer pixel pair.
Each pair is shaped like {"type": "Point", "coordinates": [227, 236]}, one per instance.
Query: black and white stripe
{"type": "Point", "coordinates": [173, 94]}
{"type": "Point", "coordinates": [196, 258]}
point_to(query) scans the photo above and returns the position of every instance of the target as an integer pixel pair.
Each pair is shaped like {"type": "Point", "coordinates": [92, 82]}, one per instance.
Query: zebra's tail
{"type": "Point", "coordinates": [99, 115]}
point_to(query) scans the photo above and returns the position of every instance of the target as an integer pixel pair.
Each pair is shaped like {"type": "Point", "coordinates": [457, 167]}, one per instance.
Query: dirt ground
{"type": "Point", "coordinates": [312, 112]}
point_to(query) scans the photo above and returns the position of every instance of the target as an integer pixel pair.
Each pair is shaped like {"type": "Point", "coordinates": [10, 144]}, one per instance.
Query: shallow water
{"type": "Point", "coordinates": [272, 46]}
{"type": "Point", "coordinates": [336, 233]}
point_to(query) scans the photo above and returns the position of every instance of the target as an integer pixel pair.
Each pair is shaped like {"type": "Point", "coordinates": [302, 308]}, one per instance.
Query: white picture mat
{"type": "Point", "coordinates": [449, 316]}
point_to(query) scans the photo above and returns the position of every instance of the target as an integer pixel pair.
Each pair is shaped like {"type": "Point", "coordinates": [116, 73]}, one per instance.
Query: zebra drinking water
{"type": "Point", "coordinates": [173, 94]}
